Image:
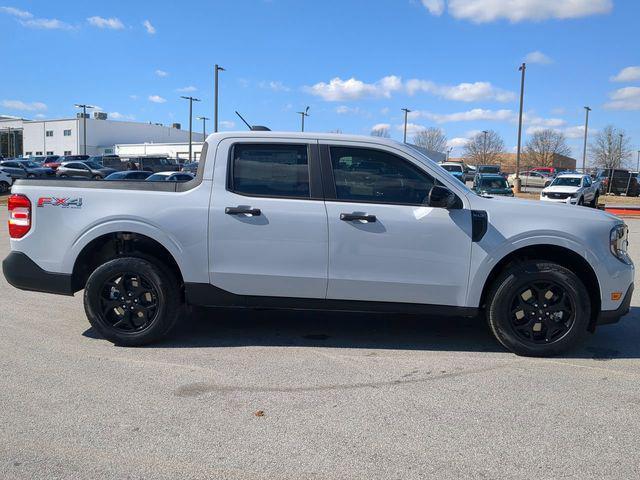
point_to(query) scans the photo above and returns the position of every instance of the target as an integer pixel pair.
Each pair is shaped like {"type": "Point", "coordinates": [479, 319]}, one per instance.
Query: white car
{"type": "Point", "coordinates": [572, 189]}
{"type": "Point", "coordinates": [325, 222]}
{"type": "Point", "coordinates": [5, 182]}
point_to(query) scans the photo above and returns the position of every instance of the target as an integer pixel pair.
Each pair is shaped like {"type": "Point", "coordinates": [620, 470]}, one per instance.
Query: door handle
{"type": "Point", "coordinates": [254, 212]}
{"type": "Point", "coordinates": [350, 217]}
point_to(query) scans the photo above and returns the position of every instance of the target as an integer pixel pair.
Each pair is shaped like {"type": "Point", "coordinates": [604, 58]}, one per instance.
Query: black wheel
{"type": "Point", "coordinates": [594, 203]}
{"type": "Point", "coordinates": [581, 201]}
{"type": "Point", "coordinates": [4, 187]}
{"type": "Point", "coordinates": [132, 301]}
{"type": "Point", "coordinates": [31, 175]}
{"type": "Point", "coordinates": [97, 177]}
{"type": "Point", "coordinates": [538, 308]}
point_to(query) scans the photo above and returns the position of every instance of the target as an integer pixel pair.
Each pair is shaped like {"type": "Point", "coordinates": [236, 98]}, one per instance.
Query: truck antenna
{"type": "Point", "coordinates": [245, 122]}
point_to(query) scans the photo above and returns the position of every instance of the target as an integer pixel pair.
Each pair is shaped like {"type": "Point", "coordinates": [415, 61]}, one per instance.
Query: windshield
{"type": "Point", "coordinates": [157, 178]}
{"type": "Point", "coordinates": [93, 165]}
{"type": "Point", "coordinates": [486, 169]}
{"type": "Point", "coordinates": [452, 168]}
{"type": "Point", "coordinates": [566, 182]}
{"type": "Point", "coordinates": [29, 164]}
{"type": "Point", "coordinates": [493, 183]}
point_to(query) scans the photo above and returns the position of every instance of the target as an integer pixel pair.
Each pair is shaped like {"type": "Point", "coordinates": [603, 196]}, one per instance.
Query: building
{"type": "Point", "coordinates": [173, 150]}
{"type": "Point", "coordinates": [20, 137]}
{"type": "Point", "coordinates": [507, 162]}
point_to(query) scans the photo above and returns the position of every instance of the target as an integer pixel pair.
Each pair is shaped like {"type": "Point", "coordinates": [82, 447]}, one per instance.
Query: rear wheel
{"type": "Point", "coordinates": [538, 308]}
{"type": "Point", "coordinates": [4, 187]}
{"type": "Point", "coordinates": [31, 175]}
{"type": "Point", "coordinates": [97, 177]}
{"type": "Point", "coordinates": [132, 301]}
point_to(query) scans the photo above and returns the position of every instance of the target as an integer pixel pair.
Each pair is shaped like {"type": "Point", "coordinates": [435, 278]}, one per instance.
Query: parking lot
{"type": "Point", "coordinates": [300, 395]}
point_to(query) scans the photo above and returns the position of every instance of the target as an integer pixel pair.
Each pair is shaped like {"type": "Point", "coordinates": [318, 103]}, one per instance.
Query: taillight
{"type": "Point", "coordinates": [19, 215]}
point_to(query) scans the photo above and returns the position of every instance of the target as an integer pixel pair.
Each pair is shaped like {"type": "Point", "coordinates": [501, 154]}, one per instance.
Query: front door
{"type": "Point", "coordinates": [268, 226]}
{"type": "Point", "coordinates": [385, 244]}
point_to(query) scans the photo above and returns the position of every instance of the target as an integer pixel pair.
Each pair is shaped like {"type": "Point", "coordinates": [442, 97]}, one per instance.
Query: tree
{"type": "Point", "coordinates": [432, 139]}
{"type": "Point", "coordinates": [608, 149]}
{"type": "Point", "coordinates": [484, 148]}
{"type": "Point", "coordinates": [380, 131]}
{"type": "Point", "coordinates": [543, 145]}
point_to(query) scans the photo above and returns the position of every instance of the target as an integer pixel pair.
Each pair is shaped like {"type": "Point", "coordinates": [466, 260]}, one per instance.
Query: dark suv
{"type": "Point", "coordinates": [618, 181]}
{"type": "Point", "coordinates": [24, 169]}
{"type": "Point", "coordinates": [157, 164]}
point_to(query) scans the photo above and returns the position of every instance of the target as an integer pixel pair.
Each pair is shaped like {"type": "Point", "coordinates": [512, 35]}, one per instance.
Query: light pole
{"type": "Point", "coordinates": [638, 164]}
{"type": "Point", "coordinates": [484, 146]}
{"type": "Point", "coordinates": [84, 124]}
{"type": "Point", "coordinates": [406, 112]}
{"type": "Point", "coordinates": [586, 130]}
{"type": "Point", "coordinates": [217, 68]}
{"type": "Point", "coordinates": [516, 181]}
{"type": "Point", "coordinates": [620, 150]}
{"type": "Point", "coordinates": [449, 153]}
{"type": "Point", "coordinates": [302, 115]}
{"type": "Point", "coordinates": [204, 126]}
{"type": "Point", "coordinates": [191, 100]}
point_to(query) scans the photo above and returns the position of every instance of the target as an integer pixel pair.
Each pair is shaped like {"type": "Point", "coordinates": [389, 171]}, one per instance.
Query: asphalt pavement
{"type": "Point", "coordinates": [302, 395]}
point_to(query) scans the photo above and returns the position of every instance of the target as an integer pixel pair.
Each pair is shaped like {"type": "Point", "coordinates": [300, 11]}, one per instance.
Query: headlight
{"type": "Point", "coordinates": [618, 243]}
{"type": "Point", "coordinates": [543, 193]}
{"type": "Point", "coordinates": [576, 194]}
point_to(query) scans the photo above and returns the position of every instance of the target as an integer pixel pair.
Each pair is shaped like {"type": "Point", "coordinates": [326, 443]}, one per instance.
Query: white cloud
{"type": "Point", "coordinates": [40, 115]}
{"type": "Point", "coordinates": [463, 92]}
{"type": "Point", "coordinates": [161, 73]}
{"type": "Point", "coordinates": [470, 115]}
{"type": "Point", "coordinates": [227, 124]}
{"type": "Point", "coordinates": [352, 89]}
{"type": "Point", "coordinates": [412, 128]}
{"type": "Point", "coordinates": [538, 57]}
{"type": "Point", "coordinates": [627, 98]}
{"type": "Point", "coordinates": [481, 11]}
{"type": "Point", "coordinates": [435, 7]}
{"type": "Point", "coordinates": [20, 105]}
{"type": "Point", "coordinates": [110, 23]}
{"type": "Point", "coordinates": [344, 110]}
{"type": "Point", "coordinates": [150, 28]}
{"type": "Point", "coordinates": [457, 142]}
{"type": "Point", "coordinates": [16, 12]}
{"type": "Point", "coordinates": [157, 99]}
{"type": "Point", "coordinates": [188, 89]}
{"type": "Point", "coordinates": [381, 126]}
{"type": "Point", "coordinates": [628, 74]}
{"type": "Point", "coordinates": [540, 122]}
{"type": "Point", "coordinates": [120, 116]}
{"type": "Point", "coordinates": [274, 86]}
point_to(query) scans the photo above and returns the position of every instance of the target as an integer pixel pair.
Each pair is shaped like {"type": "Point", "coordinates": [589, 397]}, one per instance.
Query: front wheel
{"type": "Point", "coordinates": [594, 203]}
{"type": "Point", "coordinates": [31, 175]}
{"type": "Point", "coordinates": [97, 177]}
{"type": "Point", "coordinates": [538, 308]}
{"type": "Point", "coordinates": [132, 301]}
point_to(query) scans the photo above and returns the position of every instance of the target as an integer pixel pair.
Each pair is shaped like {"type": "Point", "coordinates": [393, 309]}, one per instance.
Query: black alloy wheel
{"type": "Point", "coordinates": [129, 302]}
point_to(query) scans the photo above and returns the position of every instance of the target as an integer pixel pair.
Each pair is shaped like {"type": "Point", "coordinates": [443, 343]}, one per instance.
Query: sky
{"type": "Point", "coordinates": [355, 63]}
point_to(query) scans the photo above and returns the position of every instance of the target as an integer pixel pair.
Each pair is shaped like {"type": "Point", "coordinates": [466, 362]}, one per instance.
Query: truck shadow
{"type": "Point", "coordinates": [220, 327]}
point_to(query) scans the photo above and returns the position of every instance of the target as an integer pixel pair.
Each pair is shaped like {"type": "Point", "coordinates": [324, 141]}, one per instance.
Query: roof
{"type": "Point", "coordinates": [305, 135]}
{"type": "Point", "coordinates": [572, 175]}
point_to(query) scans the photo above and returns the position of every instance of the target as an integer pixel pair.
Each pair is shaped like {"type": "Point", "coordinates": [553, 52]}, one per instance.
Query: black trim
{"type": "Point", "coordinates": [606, 317]}
{"type": "Point", "coordinates": [23, 273]}
{"type": "Point", "coordinates": [479, 224]}
{"type": "Point", "coordinates": [207, 295]}
{"type": "Point", "coordinates": [113, 184]}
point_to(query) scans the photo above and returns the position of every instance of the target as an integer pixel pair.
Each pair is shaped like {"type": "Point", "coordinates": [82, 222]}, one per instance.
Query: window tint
{"type": "Point", "coordinates": [271, 170]}
{"type": "Point", "coordinates": [366, 175]}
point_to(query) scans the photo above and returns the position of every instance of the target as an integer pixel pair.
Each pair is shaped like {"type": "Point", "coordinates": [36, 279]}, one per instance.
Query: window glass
{"type": "Point", "coordinates": [271, 170]}
{"type": "Point", "coordinates": [566, 182]}
{"type": "Point", "coordinates": [50, 153]}
{"type": "Point", "coordinates": [366, 175]}
{"type": "Point", "coordinates": [49, 133]}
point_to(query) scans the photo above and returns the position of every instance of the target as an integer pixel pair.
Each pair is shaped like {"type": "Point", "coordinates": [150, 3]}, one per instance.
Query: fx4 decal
{"type": "Point", "coordinates": [60, 202]}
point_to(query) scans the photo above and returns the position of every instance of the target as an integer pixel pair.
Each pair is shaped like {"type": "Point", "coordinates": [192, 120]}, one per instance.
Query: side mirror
{"type": "Point", "coordinates": [441, 197]}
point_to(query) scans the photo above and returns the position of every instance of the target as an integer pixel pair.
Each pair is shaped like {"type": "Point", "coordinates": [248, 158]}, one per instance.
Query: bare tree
{"type": "Point", "coordinates": [484, 148]}
{"type": "Point", "coordinates": [543, 145]}
{"type": "Point", "coordinates": [431, 138]}
{"type": "Point", "coordinates": [609, 149]}
{"type": "Point", "coordinates": [380, 132]}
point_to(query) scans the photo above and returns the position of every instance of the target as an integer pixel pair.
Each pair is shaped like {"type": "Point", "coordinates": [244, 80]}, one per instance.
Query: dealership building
{"type": "Point", "coordinates": [23, 138]}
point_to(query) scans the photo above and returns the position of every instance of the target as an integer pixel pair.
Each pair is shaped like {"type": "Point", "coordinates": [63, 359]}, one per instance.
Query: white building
{"type": "Point", "coordinates": [20, 137]}
{"type": "Point", "coordinates": [173, 150]}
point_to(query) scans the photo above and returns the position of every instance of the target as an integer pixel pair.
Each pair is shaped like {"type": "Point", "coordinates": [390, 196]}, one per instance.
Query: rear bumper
{"type": "Point", "coordinates": [23, 273]}
{"type": "Point", "coordinates": [606, 317]}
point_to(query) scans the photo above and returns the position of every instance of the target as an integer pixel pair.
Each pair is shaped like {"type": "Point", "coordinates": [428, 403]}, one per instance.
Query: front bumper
{"type": "Point", "coordinates": [23, 273]}
{"type": "Point", "coordinates": [568, 201]}
{"type": "Point", "coordinates": [606, 317]}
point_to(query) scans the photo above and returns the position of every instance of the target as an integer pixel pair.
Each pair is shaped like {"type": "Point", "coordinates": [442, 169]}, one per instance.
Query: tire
{"type": "Point", "coordinates": [594, 203]}
{"type": "Point", "coordinates": [542, 335]}
{"type": "Point", "coordinates": [4, 187]}
{"type": "Point", "coordinates": [63, 176]}
{"type": "Point", "coordinates": [97, 177]}
{"type": "Point", "coordinates": [581, 201]}
{"type": "Point", "coordinates": [31, 175]}
{"type": "Point", "coordinates": [129, 312]}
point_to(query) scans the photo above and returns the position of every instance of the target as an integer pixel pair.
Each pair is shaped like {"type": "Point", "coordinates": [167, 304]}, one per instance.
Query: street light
{"type": "Point", "coordinates": [217, 68]}
{"type": "Point", "coordinates": [204, 126]}
{"type": "Point", "coordinates": [406, 112]}
{"type": "Point", "coordinates": [191, 100]}
{"type": "Point", "coordinates": [620, 149]}
{"type": "Point", "coordinates": [586, 130]}
{"type": "Point", "coordinates": [638, 164]}
{"type": "Point", "coordinates": [516, 181]}
{"type": "Point", "coordinates": [84, 123]}
{"type": "Point", "coordinates": [302, 115]}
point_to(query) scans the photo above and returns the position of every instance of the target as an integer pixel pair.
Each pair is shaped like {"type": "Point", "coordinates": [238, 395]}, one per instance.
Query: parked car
{"type": "Point", "coordinates": [156, 164]}
{"type": "Point", "coordinates": [455, 169]}
{"type": "Point", "coordinates": [530, 179]}
{"type": "Point", "coordinates": [51, 161]}
{"type": "Point", "coordinates": [129, 175]}
{"type": "Point", "coordinates": [5, 182]}
{"type": "Point", "coordinates": [572, 189]}
{"type": "Point", "coordinates": [320, 221]}
{"type": "Point", "coordinates": [84, 169]}
{"type": "Point", "coordinates": [170, 177]}
{"type": "Point", "coordinates": [109, 161]}
{"type": "Point", "coordinates": [488, 169]}
{"type": "Point", "coordinates": [491, 184]}
{"type": "Point", "coordinates": [73, 158]}
{"type": "Point", "coordinates": [39, 159]}
{"type": "Point", "coordinates": [191, 167]}
{"type": "Point", "coordinates": [25, 169]}
{"type": "Point", "coordinates": [618, 181]}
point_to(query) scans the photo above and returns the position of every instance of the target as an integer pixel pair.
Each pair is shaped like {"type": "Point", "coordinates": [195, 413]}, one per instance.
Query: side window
{"type": "Point", "coordinates": [273, 170]}
{"type": "Point", "coordinates": [587, 182]}
{"type": "Point", "coordinates": [367, 175]}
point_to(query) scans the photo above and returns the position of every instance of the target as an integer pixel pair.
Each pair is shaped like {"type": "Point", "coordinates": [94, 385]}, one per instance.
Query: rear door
{"type": "Point", "coordinates": [385, 244]}
{"type": "Point", "coordinates": [268, 223]}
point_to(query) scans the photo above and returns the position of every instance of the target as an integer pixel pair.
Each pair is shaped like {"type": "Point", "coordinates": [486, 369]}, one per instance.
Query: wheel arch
{"type": "Point", "coordinates": [563, 256]}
